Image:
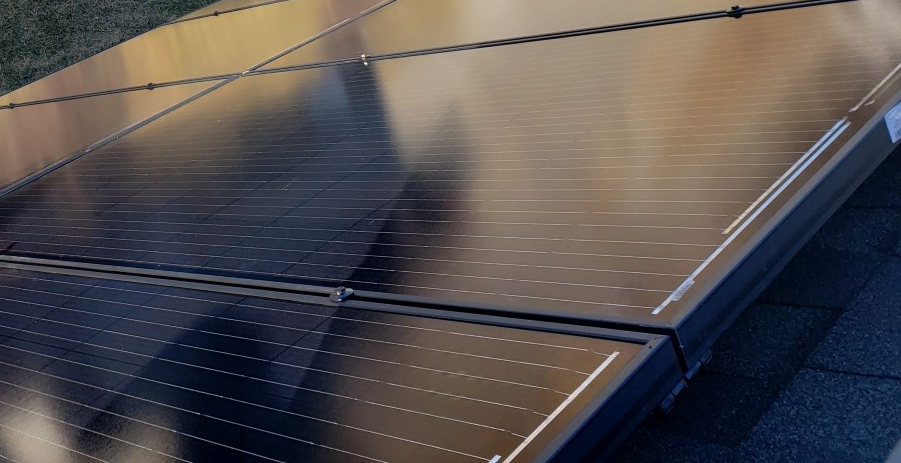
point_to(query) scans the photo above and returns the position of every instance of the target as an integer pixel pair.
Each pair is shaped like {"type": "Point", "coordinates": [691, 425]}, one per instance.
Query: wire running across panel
{"type": "Point", "coordinates": [411, 25]}
{"type": "Point", "coordinates": [229, 44]}
{"type": "Point", "coordinates": [584, 176]}
{"type": "Point", "coordinates": [100, 370]}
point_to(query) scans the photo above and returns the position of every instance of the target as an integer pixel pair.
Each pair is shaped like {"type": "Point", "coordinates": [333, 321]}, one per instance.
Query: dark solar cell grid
{"type": "Point", "coordinates": [117, 371]}
{"type": "Point", "coordinates": [35, 137]}
{"type": "Point", "coordinates": [592, 177]}
{"type": "Point", "coordinates": [589, 175]}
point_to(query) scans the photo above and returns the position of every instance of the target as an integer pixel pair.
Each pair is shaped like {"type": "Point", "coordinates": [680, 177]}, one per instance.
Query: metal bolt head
{"type": "Point", "coordinates": [340, 294]}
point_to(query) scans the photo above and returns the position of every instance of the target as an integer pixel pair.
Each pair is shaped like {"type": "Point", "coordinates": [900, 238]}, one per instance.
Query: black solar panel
{"type": "Point", "coordinates": [592, 185]}
{"type": "Point", "coordinates": [228, 44]}
{"type": "Point", "coordinates": [111, 371]}
{"type": "Point", "coordinates": [166, 296]}
{"type": "Point", "coordinates": [34, 137]}
{"type": "Point", "coordinates": [410, 25]}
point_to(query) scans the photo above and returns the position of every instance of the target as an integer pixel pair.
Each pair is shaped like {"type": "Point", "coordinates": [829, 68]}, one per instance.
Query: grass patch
{"type": "Point", "coordinates": [39, 37]}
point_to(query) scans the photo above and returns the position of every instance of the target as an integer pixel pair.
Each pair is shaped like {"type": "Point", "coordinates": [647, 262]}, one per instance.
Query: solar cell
{"type": "Point", "coordinates": [410, 25]}
{"type": "Point", "coordinates": [37, 136]}
{"type": "Point", "coordinates": [109, 371]}
{"type": "Point", "coordinates": [223, 45]}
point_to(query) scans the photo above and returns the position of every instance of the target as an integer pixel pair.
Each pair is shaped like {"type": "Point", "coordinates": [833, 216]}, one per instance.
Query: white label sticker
{"type": "Point", "coordinates": [682, 289]}
{"type": "Point", "coordinates": [893, 122]}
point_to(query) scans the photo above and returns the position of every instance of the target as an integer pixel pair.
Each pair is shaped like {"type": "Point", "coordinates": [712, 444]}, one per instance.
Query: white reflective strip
{"type": "Point", "coordinates": [832, 135]}
{"type": "Point", "coordinates": [813, 149]}
{"type": "Point", "coordinates": [560, 409]}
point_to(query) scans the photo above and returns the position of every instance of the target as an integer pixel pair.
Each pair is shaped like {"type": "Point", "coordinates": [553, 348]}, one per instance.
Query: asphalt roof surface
{"type": "Point", "coordinates": [812, 370]}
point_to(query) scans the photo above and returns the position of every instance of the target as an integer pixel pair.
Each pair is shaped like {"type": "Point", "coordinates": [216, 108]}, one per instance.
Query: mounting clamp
{"type": "Point", "coordinates": [736, 12]}
{"type": "Point", "coordinates": [666, 405]}
{"type": "Point", "coordinates": [340, 294]}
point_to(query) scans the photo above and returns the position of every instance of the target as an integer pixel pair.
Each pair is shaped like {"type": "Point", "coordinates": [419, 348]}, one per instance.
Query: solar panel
{"type": "Point", "coordinates": [37, 136]}
{"type": "Point", "coordinates": [228, 44]}
{"type": "Point", "coordinates": [411, 25]}
{"type": "Point", "coordinates": [106, 370]}
{"type": "Point", "coordinates": [591, 186]}
{"type": "Point", "coordinates": [594, 186]}
{"type": "Point", "coordinates": [171, 295]}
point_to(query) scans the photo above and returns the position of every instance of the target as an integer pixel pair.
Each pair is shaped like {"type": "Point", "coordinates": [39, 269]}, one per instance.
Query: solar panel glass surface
{"type": "Point", "coordinates": [111, 371]}
{"type": "Point", "coordinates": [409, 25]}
{"type": "Point", "coordinates": [591, 185]}
{"type": "Point", "coordinates": [34, 137]}
{"type": "Point", "coordinates": [227, 44]}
